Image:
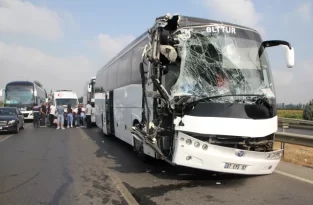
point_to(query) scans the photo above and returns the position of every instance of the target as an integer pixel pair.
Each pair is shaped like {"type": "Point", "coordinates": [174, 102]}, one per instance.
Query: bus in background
{"type": "Point", "coordinates": [89, 95]}
{"type": "Point", "coordinates": [23, 94]}
{"type": "Point", "coordinates": [65, 98]}
{"type": "Point", "coordinates": [197, 93]}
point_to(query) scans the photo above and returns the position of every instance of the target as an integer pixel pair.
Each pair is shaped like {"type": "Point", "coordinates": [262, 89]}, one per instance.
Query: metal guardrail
{"type": "Point", "coordinates": [295, 121]}
{"type": "Point", "coordinates": [296, 139]}
{"type": "Point", "coordinates": [292, 138]}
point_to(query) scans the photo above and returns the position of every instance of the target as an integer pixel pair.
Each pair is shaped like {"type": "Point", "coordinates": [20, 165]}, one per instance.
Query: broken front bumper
{"type": "Point", "coordinates": [191, 152]}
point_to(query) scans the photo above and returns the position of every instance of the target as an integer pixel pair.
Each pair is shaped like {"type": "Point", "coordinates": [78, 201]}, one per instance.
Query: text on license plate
{"type": "Point", "coordinates": [235, 166]}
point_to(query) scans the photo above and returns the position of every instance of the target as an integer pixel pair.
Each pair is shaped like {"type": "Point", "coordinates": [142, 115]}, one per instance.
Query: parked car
{"type": "Point", "coordinates": [11, 119]}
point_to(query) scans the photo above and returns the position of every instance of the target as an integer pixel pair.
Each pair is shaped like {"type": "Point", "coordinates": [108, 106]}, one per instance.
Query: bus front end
{"type": "Point", "coordinates": [214, 102]}
{"type": "Point", "coordinates": [21, 95]}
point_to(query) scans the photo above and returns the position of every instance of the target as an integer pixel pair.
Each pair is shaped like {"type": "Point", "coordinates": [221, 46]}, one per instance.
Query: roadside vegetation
{"type": "Point", "coordinates": [297, 154]}
{"type": "Point", "coordinates": [295, 114]}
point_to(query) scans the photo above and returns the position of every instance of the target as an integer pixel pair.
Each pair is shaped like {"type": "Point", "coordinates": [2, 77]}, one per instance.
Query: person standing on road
{"type": "Point", "coordinates": [78, 118]}
{"type": "Point", "coordinates": [43, 111]}
{"type": "Point", "coordinates": [48, 114]}
{"type": "Point", "coordinates": [88, 114]}
{"type": "Point", "coordinates": [60, 111]}
{"type": "Point", "coordinates": [83, 117]}
{"type": "Point", "coordinates": [52, 113]}
{"type": "Point", "coordinates": [36, 109]}
{"type": "Point", "coordinates": [69, 116]}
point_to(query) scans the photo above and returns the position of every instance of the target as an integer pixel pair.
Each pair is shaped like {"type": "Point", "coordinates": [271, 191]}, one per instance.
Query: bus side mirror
{"type": "Point", "coordinates": [35, 93]}
{"type": "Point", "coordinates": [89, 88]}
{"type": "Point", "coordinates": [290, 56]}
{"type": "Point", "coordinates": [289, 51]}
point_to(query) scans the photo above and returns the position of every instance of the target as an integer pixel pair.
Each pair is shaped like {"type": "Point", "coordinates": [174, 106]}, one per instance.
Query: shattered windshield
{"type": "Point", "coordinates": [221, 63]}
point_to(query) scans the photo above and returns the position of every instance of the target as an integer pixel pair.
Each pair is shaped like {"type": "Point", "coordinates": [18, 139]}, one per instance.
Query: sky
{"type": "Point", "coordinates": [64, 43]}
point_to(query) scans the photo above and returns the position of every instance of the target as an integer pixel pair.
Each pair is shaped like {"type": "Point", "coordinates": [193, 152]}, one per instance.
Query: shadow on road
{"type": "Point", "coordinates": [156, 177]}
{"type": "Point", "coordinates": [126, 161]}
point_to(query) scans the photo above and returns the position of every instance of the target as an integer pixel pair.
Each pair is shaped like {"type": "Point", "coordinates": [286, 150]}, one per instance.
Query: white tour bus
{"type": "Point", "coordinates": [197, 93]}
{"type": "Point", "coordinates": [23, 94]}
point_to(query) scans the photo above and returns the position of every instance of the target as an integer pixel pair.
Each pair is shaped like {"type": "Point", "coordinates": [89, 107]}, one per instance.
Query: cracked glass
{"type": "Point", "coordinates": [223, 62]}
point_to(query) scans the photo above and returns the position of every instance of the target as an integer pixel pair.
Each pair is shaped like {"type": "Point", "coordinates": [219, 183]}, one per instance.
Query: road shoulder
{"type": "Point", "coordinates": [295, 171]}
{"type": "Point", "coordinates": [116, 182]}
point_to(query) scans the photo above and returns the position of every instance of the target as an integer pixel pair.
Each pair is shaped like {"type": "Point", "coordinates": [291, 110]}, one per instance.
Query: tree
{"type": "Point", "coordinates": [308, 111]}
{"type": "Point", "coordinates": [38, 83]}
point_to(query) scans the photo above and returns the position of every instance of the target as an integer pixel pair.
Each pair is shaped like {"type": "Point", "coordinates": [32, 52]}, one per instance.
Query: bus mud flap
{"type": "Point", "coordinates": [141, 137]}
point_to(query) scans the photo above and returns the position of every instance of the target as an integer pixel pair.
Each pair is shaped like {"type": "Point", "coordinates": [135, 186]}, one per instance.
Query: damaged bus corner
{"type": "Point", "coordinates": [197, 93]}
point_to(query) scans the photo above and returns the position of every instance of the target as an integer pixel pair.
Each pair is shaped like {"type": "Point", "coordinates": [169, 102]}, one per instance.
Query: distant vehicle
{"type": "Point", "coordinates": [89, 95]}
{"type": "Point", "coordinates": [11, 119]}
{"type": "Point", "coordinates": [23, 94]}
{"type": "Point", "coordinates": [65, 98]}
{"type": "Point", "coordinates": [196, 93]}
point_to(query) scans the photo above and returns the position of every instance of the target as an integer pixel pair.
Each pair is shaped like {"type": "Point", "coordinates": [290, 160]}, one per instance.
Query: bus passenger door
{"type": "Point", "coordinates": [109, 114]}
{"type": "Point", "coordinates": [104, 114]}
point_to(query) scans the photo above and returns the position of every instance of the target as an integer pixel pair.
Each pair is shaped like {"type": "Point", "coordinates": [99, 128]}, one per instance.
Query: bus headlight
{"type": "Point", "coordinates": [197, 144]}
{"type": "Point", "coordinates": [188, 141]}
{"type": "Point", "coordinates": [273, 156]}
{"type": "Point", "coordinates": [205, 146]}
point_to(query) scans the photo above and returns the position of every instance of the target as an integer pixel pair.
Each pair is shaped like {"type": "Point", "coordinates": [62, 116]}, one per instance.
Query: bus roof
{"type": "Point", "coordinates": [20, 83]}
{"type": "Point", "coordinates": [25, 83]}
{"type": "Point", "coordinates": [183, 21]}
{"type": "Point", "coordinates": [186, 21]}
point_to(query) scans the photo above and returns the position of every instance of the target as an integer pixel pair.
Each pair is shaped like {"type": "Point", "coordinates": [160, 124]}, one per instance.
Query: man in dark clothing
{"type": "Point", "coordinates": [43, 112]}
{"type": "Point", "coordinates": [36, 115]}
{"type": "Point", "coordinates": [79, 112]}
{"type": "Point", "coordinates": [48, 112]}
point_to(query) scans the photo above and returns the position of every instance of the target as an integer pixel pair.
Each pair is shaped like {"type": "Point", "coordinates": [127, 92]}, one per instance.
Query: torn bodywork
{"type": "Point", "coordinates": [194, 61]}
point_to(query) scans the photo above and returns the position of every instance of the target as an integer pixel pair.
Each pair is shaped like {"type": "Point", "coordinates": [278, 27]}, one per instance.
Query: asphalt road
{"type": "Point", "coordinates": [72, 166]}
{"type": "Point", "coordinates": [49, 166]}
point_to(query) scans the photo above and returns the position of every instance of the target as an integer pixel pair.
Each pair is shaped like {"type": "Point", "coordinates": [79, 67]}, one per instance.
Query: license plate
{"type": "Point", "coordinates": [235, 166]}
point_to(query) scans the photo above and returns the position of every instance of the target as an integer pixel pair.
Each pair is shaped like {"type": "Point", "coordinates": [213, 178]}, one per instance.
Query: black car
{"type": "Point", "coordinates": [11, 119]}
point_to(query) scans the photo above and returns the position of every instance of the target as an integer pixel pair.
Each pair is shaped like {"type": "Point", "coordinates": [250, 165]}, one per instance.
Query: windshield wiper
{"type": "Point", "coordinates": [262, 99]}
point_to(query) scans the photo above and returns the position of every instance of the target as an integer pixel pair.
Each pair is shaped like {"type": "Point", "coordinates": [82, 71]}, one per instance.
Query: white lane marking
{"type": "Point", "coordinates": [294, 177]}
{"type": "Point", "coordinates": [7, 137]}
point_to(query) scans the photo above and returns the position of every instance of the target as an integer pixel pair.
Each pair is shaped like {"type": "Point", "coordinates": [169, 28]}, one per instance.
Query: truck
{"type": "Point", "coordinates": [65, 98]}
{"type": "Point", "coordinates": [197, 93]}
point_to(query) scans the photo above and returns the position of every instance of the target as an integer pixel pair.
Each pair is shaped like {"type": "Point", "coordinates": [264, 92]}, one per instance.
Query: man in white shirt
{"type": "Point", "coordinates": [88, 115]}
{"type": "Point", "coordinates": [52, 113]}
